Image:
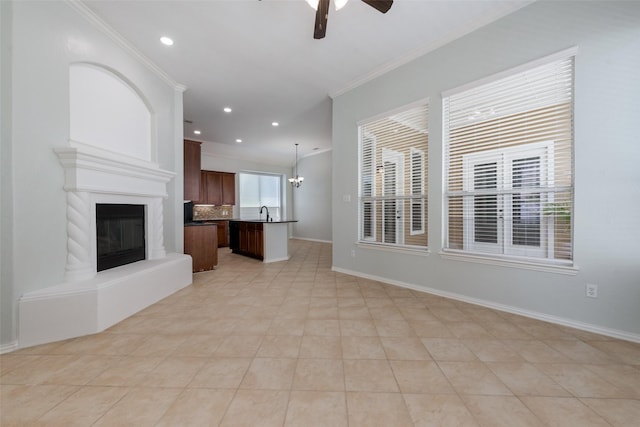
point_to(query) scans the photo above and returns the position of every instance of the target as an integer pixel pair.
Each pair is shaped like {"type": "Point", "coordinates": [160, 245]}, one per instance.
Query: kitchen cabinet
{"type": "Point", "coordinates": [213, 192]}
{"type": "Point", "coordinates": [228, 188]}
{"type": "Point", "coordinates": [217, 188]}
{"type": "Point", "coordinates": [223, 232]}
{"type": "Point", "coordinates": [201, 242]}
{"type": "Point", "coordinates": [192, 157]}
{"type": "Point", "coordinates": [246, 238]}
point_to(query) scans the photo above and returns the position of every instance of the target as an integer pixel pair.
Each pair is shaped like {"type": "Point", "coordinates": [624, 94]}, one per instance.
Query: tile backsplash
{"type": "Point", "coordinates": [205, 212]}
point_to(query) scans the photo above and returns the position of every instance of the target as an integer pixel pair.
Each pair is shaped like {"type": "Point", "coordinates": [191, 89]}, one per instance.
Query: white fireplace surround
{"type": "Point", "coordinates": [93, 176]}
{"type": "Point", "coordinates": [89, 302]}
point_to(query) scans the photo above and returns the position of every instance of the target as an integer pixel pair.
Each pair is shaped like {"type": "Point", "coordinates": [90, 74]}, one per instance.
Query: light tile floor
{"type": "Point", "coordinates": [295, 344]}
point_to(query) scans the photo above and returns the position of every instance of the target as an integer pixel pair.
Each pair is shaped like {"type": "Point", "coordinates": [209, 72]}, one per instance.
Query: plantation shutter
{"type": "Point", "coordinates": [509, 164]}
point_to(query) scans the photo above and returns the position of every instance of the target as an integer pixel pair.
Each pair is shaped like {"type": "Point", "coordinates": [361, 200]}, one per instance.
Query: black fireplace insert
{"type": "Point", "coordinates": [120, 235]}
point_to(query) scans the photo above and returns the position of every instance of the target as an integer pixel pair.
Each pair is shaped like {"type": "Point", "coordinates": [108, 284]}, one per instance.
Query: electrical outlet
{"type": "Point", "coordinates": [591, 290]}
{"type": "Point", "coordinates": [346, 198]}
{"type": "Point", "coordinates": [353, 253]}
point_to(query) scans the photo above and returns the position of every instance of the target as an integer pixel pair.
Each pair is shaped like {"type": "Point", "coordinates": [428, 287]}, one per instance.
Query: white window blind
{"type": "Point", "coordinates": [258, 190]}
{"type": "Point", "coordinates": [509, 165]}
{"type": "Point", "coordinates": [416, 175]}
{"type": "Point", "coordinates": [393, 179]}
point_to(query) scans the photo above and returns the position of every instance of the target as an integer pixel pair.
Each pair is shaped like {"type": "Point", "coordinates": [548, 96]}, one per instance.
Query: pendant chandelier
{"type": "Point", "coordinates": [297, 181]}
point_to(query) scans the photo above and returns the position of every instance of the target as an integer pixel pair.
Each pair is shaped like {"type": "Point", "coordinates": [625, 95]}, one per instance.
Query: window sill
{"type": "Point", "coordinates": [407, 250]}
{"type": "Point", "coordinates": [510, 262]}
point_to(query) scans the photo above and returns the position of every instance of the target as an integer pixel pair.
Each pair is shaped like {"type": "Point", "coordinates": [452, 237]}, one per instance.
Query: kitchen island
{"type": "Point", "coordinates": [266, 241]}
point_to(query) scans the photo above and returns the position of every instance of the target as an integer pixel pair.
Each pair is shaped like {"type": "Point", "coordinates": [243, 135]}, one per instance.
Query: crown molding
{"type": "Point", "coordinates": [105, 28]}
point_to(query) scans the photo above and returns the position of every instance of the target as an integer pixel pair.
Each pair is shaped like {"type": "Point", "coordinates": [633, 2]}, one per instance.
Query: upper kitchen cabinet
{"type": "Point", "coordinates": [218, 188]}
{"type": "Point", "coordinates": [192, 158]}
{"type": "Point", "coordinates": [228, 188]}
{"type": "Point", "coordinates": [213, 192]}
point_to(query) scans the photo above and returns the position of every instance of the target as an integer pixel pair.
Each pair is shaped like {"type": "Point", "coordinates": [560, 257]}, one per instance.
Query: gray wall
{"type": "Point", "coordinates": [7, 306]}
{"type": "Point", "coordinates": [607, 176]}
{"type": "Point", "coordinates": [312, 200]}
{"type": "Point", "coordinates": [45, 38]}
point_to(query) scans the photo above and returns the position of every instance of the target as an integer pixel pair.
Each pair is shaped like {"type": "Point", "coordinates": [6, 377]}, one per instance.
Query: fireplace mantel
{"type": "Point", "coordinates": [95, 170]}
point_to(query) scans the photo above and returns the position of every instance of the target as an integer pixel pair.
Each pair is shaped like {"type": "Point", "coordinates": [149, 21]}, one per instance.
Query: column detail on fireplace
{"type": "Point", "coordinates": [156, 219]}
{"type": "Point", "coordinates": [79, 264]}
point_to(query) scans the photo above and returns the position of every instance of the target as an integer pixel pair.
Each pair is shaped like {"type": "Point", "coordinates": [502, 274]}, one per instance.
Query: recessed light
{"type": "Point", "coordinates": [238, 140]}
{"type": "Point", "coordinates": [197, 132]}
{"type": "Point", "coordinates": [166, 41]}
{"type": "Point", "coordinates": [227, 109]}
{"type": "Point", "coordinates": [275, 124]}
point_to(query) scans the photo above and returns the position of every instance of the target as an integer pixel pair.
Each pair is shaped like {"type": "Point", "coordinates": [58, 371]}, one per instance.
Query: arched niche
{"type": "Point", "coordinates": [108, 112]}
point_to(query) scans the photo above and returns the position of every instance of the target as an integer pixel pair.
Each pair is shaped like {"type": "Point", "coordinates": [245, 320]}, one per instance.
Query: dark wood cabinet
{"type": "Point", "coordinates": [246, 238]}
{"type": "Point", "coordinates": [228, 188]}
{"type": "Point", "coordinates": [259, 241]}
{"type": "Point", "coordinates": [201, 242]}
{"type": "Point", "coordinates": [214, 188]}
{"type": "Point", "coordinates": [204, 196]}
{"type": "Point", "coordinates": [223, 232]}
{"type": "Point", "coordinates": [203, 188]}
{"type": "Point", "coordinates": [217, 188]}
{"type": "Point", "coordinates": [234, 236]}
{"type": "Point", "coordinates": [192, 158]}
{"type": "Point", "coordinates": [251, 239]}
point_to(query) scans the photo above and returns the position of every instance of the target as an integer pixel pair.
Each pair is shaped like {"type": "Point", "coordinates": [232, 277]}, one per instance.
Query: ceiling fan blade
{"type": "Point", "coordinates": [322, 14]}
{"type": "Point", "coordinates": [381, 5]}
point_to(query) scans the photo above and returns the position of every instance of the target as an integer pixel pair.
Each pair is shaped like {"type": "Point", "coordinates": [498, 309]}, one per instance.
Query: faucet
{"type": "Point", "coordinates": [264, 207]}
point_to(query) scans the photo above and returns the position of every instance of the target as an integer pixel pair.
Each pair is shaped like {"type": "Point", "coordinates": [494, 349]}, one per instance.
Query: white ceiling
{"type": "Point", "coordinates": [259, 58]}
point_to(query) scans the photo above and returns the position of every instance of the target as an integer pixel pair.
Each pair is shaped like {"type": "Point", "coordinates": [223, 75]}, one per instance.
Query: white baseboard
{"type": "Point", "coordinates": [90, 306]}
{"type": "Point", "coordinates": [270, 260]}
{"type": "Point", "coordinates": [312, 240]}
{"type": "Point", "coordinates": [9, 347]}
{"type": "Point", "coordinates": [614, 333]}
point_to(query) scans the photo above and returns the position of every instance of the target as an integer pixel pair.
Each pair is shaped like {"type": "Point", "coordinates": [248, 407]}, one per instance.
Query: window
{"type": "Point", "coordinates": [258, 190]}
{"type": "Point", "coordinates": [509, 165]}
{"type": "Point", "coordinates": [393, 179]}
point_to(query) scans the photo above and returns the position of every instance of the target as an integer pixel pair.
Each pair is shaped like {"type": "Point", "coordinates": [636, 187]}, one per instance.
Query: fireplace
{"type": "Point", "coordinates": [120, 235]}
{"type": "Point", "coordinates": [108, 194]}
{"type": "Point", "coordinates": [113, 186]}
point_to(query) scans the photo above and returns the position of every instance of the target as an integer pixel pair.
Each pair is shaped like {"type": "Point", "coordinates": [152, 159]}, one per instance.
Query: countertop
{"type": "Point", "coordinates": [263, 221]}
{"type": "Point", "coordinates": [213, 221]}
